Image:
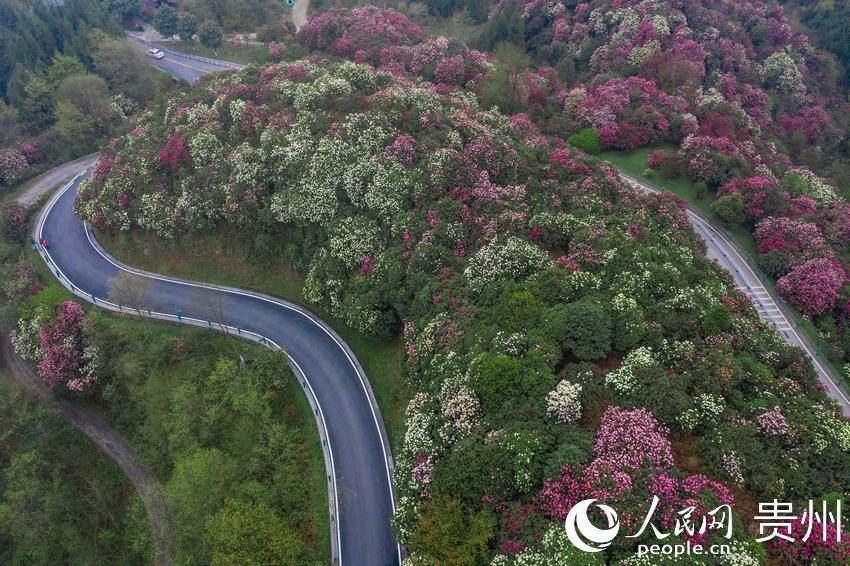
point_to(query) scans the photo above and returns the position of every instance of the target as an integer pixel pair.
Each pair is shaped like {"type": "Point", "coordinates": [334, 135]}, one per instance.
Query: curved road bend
{"type": "Point", "coordinates": [357, 442]}
{"type": "Point", "coordinates": [748, 282]}
{"type": "Point", "coordinates": [180, 66]}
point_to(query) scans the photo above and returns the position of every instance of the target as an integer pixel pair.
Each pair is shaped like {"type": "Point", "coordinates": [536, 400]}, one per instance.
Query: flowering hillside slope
{"type": "Point", "coordinates": [560, 327]}
{"type": "Point", "coordinates": [756, 111]}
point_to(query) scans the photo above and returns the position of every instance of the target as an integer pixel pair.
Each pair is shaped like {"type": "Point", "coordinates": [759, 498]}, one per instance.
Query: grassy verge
{"type": "Point", "coordinates": [216, 259]}
{"type": "Point", "coordinates": [633, 163]}
{"type": "Point", "coordinates": [227, 52]}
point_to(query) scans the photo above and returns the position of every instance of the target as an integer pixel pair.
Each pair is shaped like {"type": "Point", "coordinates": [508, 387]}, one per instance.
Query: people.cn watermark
{"type": "Point", "coordinates": [776, 520]}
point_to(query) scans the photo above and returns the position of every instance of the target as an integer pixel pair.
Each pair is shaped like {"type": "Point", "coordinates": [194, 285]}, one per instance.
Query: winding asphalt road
{"type": "Point", "coordinates": [725, 253]}
{"type": "Point", "coordinates": [358, 458]}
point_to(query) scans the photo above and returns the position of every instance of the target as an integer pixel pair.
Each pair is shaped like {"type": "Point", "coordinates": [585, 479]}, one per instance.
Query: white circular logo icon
{"type": "Point", "coordinates": [581, 531]}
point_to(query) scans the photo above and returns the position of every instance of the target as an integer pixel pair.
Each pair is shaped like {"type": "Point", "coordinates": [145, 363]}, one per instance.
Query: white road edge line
{"type": "Point", "coordinates": [387, 463]}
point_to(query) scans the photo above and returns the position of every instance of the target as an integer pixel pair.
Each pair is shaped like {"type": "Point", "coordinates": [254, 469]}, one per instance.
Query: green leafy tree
{"type": "Point", "coordinates": [166, 22]}
{"type": "Point", "coordinates": [584, 329]}
{"type": "Point", "coordinates": [36, 110]}
{"type": "Point", "coordinates": [124, 10]}
{"type": "Point", "coordinates": [62, 67]}
{"type": "Point", "coordinates": [450, 533]}
{"type": "Point", "coordinates": [251, 533]}
{"type": "Point", "coordinates": [501, 87]}
{"type": "Point", "coordinates": [197, 490]}
{"type": "Point", "coordinates": [187, 26]}
{"type": "Point", "coordinates": [716, 320]}
{"type": "Point", "coordinates": [210, 34]}
{"type": "Point", "coordinates": [730, 209]}
{"type": "Point", "coordinates": [83, 110]}
{"type": "Point", "coordinates": [124, 69]}
{"type": "Point", "coordinates": [508, 27]}
{"type": "Point", "coordinates": [8, 125]}
{"type": "Point", "coordinates": [502, 378]}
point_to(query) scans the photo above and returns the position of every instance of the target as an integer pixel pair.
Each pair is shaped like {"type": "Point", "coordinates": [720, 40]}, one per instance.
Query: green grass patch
{"type": "Point", "coordinates": [216, 259]}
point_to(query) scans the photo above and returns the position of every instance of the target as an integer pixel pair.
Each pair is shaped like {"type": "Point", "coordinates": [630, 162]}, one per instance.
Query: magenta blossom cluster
{"type": "Point", "coordinates": [63, 341]}
{"type": "Point", "coordinates": [817, 548]}
{"type": "Point", "coordinates": [14, 216]}
{"type": "Point", "coordinates": [24, 283]}
{"type": "Point", "coordinates": [797, 239]}
{"type": "Point", "coordinates": [773, 423]}
{"type": "Point", "coordinates": [12, 165]}
{"type": "Point", "coordinates": [629, 113]}
{"type": "Point", "coordinates": [813, 287]}
{"type": "Point", "coordinates": [628, 439]}
{"type": "Point", "coordinates": [634, 462]}
{"type": "Point", "coordinates": [102, 168]}
{"type": "Point", "coordinates": [360, 32]}
{"type": "Point", "coordinates": [175, 152]}
{"type": "Point", "coordinates": [402, 148]}
{"type": "Point", "coordinates": [754, 192]}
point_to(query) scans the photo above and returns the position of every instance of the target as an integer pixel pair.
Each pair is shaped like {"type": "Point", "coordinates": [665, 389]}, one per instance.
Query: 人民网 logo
{"type": "Point", "coordinates": [583, 534]}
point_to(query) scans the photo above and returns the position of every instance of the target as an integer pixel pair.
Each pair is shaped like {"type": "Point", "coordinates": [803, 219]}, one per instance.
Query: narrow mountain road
{"type": "Point", "coordinates": [111, 444]}
{"type": "Point", "coordinates": [181, 66]}
{"type": "Point", "coordinates": [357, 454]}
{"type": "Point", "coordinates": [747, 280]}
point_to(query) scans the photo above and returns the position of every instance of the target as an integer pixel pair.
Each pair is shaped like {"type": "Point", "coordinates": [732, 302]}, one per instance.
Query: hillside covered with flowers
{"type": "Point", "coordinates": [561, 329]}
{"type": "Point", "coordinates": [754, 113]}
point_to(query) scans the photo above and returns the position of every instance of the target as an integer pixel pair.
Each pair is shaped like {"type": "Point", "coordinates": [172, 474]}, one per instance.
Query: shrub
{"type": "Point", "coordinates": [813, 287]}
{"type": "Point", "coordinates": [584, 329]}
{"type": "Point", "coordinates": [210, 34]}
{"type": "Point", "coordinates": [587, 140]}
{"type": "Point", "coordinates": [730, 209]}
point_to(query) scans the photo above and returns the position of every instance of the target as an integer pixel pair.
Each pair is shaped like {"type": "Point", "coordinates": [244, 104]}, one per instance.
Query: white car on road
{"type": "Point", "coordinates": [155, 53]}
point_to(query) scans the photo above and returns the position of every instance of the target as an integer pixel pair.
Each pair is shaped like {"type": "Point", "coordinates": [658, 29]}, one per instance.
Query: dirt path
{"type": "Point", "coordinates": [299, 13]}
{"type": "Point", "coordinates": [46, 181]}
{"type": "Point", "coordinates": [111, 444]}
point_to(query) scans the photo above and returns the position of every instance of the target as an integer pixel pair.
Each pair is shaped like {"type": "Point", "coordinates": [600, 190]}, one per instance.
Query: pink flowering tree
{"type": "Point", "coordinates": [175, 152]}
{"type": "Point", "coordinates": [760, 194]}
{"type": "Point", "coordinates": [816, 548]}
{"type": "Point", "coordinates": [633, 462]}
{"type": "Point", "coordinates": [712, 159]}
{"type": "Point", "coordinates": [813, 123]}
{"type": "Point", "coordinates": [450, 70]}
{"type": "Point", "coordinates": [813, 287]}
{"type": "Point", "coordinates": [22, 282]}
{"type": "Point", "coordinates": [365, 29]}
{"type": "Point", "coordinates": [13, 221]}
{"type": "Point", "coordinates": [12, 165]}
{"type": "Point", "coordinates": [796, 240]}
{"type": "Point", "coordinates": [68, 358]}
{"type": "Point", "coordinates": [629, 113]}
